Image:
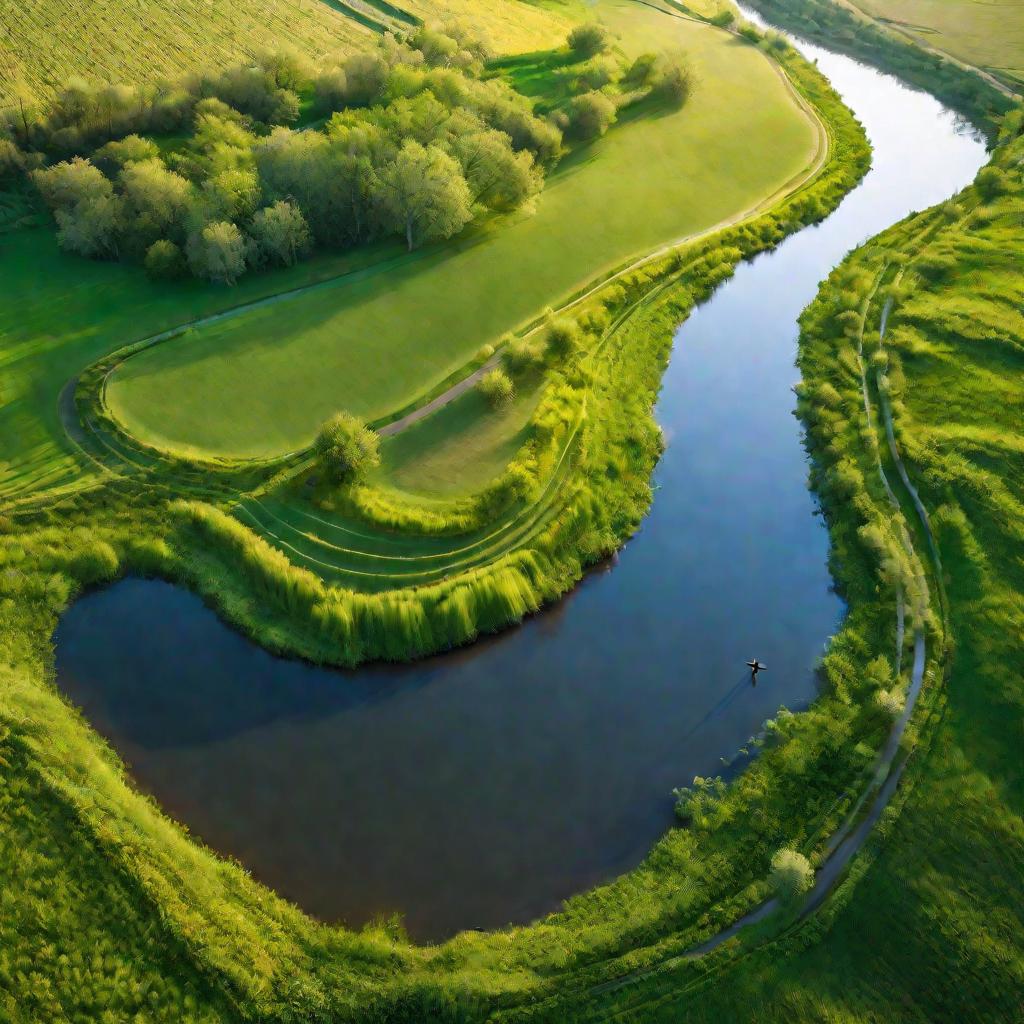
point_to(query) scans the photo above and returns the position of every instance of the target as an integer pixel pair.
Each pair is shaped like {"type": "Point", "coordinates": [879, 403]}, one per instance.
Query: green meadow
{"type": "Point", "coordinates": [260, 383]}
{"type": "Point", "coordinates": [49, 41]}
{"type": "Point", "coordinates": [110, 911]}
{"type": "Point", "coordinates": [987, 35]}
{"type": "Point", "coordinates": [461, 447]}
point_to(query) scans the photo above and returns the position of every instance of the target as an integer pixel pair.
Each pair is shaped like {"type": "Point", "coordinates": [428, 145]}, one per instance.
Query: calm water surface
{"type": "Point", "coordinates": [484, 787]}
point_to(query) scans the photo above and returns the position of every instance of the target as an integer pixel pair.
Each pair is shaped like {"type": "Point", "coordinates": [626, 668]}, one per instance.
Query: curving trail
{"type": "Point", "coordinates": [886, 773]}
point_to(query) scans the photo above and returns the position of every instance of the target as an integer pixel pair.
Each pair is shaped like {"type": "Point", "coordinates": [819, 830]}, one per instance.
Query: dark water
{"type": "Point", "coordinates": [486, 786]}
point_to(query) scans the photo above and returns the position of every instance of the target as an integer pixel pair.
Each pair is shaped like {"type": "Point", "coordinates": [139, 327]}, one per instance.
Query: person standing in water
{"type": "Point", "coordinates": [755, 666]}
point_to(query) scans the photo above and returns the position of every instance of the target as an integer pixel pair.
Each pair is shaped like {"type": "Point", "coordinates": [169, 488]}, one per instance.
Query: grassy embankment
{"type": "Point", "coordinates": [841, 29]}
{"type": "Point", "coordinates": [989, 36]}
{"type": "Point", "coordinates": [228, 943]}
{"type": "Point", "coordinates": [932, 930]}
{"type": "Point", "coordinates": [929, 925]}
{"type": "Point", "coordinates": [47, 42]}
{"type": "Point", "coordinates": [193, 938]}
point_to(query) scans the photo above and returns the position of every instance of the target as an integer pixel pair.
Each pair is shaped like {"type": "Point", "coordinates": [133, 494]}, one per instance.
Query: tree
{"type": "Point", "coordinates": [366, 74]}
{"type": "Point", "coordinates": [426, 194]}
{"type": "Point", "coordinates": [164, 261]}
{"type": "Point", "coordinates": [346, 447]}
{"type": "Point", "coordinates": [232, 195]}
{"type": "Point", "coordinates": [563, 335]}
{"type": "Point", "coordinates": [218, 252]}
{"type": "Point", "coordinates": [132, 149]}
{"type": "Point", "coordinates": [12, 162]}
{"type": "Point", "coordinates": [281, 232]}
{"type": "Point", "coordinates": [591, 114]}
{"type": "Point", "coordinates": [498, 177]}
{"type": "Point", "coordinates": [791, 875]}
{"type": "Point", "coordinates": [676, 80]}
{"type": "Point", "coordinates": [91, 227]}
{"type": "Point", "coordinates": [113, 105]}
{"type": "Point", "coordinates": [287, 67]}
{"type": "Point", "coordinates": [587, 40]}
{"type": "Point", "coordinates": [253, 91]}
{"type": "Point", "coordinates": [497, 387]}
{"type": "Point", "coordinates": [991, 182]}
{"type": "Point", "coordinates": [156, 200]}
{"type": "Point", "coordinates": [66, 184]}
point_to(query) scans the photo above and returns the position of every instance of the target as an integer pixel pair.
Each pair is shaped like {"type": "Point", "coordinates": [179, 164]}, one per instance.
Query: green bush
{"type": "Point", "coordinates": [589, 39]}
{"type": "Point", "coordinates": [591, 115]}
{"type": "Point", "coordinates": [791, 875]}
{"type": "Point", "coordinates": [497, 387]}
{"type": "Point", "coordinates": [97, 562]}
{"type": "Point", "coordinates": [165, 261]}
{"type": "Point", "coordinates": [562, 337]}
{"type": "Point", "coordinates": [522, 354]}
{"type": "Point", "coordinates": [347, 448]}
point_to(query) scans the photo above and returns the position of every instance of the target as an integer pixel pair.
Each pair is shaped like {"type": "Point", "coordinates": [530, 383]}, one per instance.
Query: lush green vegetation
{"type": "Point", "coordinates": [51, 41]}
{"type": "Point", "coordinates": [339, 348]}
{"type": "Point", "coordinates": [109, 911]}
{"type": "Point", "coordinates": [989, 36]}
{"type": "Point", "coordinates": [933, 928]}
{"type": "Point", "coordinates": [417, 143]}
{"type": "Point", "coordinates": [233, 949]}
{"type": "Point", "coordinates": [840, 28]}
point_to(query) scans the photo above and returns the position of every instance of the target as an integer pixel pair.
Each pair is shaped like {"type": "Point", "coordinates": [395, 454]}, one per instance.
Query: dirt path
{"type": "Point", "coordinates": [849, 840]}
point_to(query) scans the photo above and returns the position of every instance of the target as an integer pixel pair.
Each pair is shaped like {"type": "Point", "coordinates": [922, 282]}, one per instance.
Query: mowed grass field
{"type": "Point", "coordinates": [461, 447]}
{"type": "Point", "coordinates": [44, 42]}
{"type": "Point", "coordinates": [261, 382]}
{"type": "Point", "coordinates": [986, 33]}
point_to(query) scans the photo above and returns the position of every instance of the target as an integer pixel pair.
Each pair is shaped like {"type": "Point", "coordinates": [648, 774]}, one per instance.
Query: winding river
{"type": "Point", "coordinates": [485, 786]}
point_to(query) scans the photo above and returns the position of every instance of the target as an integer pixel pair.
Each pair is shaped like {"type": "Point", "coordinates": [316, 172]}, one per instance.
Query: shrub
{"type": "Point", "coordinates": [591, 115]}
{"type": "Point", "coordinates": [588, 40]}
{"type": "Point", "coordinates": [991, 182]}
{"type": "Point", "coordinates": [791, 875]}
{"type": "Point", "coordinates": [563, 336]}
{"type": "Point", "coordinates": [95, 563]}
{"type": "Point", "coordinates": [346, 447]}
{"type": "Point", "coordinates": [164, 261]}
{"type": "Point", "coordinates": [497, 387]}
{"type": "Point", "coordinates": [676, 82]}
{"type": "Point", "coordinates": [599, 72]}
{"type": "Point", "coordinates": [642, 72]}
{"type": "Point", "coordinates": [521, 355]}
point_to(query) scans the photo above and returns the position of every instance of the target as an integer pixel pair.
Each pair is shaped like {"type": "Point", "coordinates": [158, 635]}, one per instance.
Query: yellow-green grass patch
{"type": "Point", "coordinates": [459, 448]}
{"type": "Point", "coordinates": [988, 35]}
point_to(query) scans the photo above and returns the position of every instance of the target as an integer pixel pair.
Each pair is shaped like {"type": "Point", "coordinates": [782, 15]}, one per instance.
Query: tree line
{"type": "Point", "coordinates": [211, 176]}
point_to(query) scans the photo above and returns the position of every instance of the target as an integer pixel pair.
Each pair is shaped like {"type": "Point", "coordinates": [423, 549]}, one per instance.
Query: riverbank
{"type": "Point", "coordinates": [239, 950]}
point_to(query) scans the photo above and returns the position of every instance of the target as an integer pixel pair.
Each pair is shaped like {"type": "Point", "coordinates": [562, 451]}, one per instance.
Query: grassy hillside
{"type": "Point", "coordinates": [44, 42]}
{"type": "Point", "coordinates": [373, 343]}
{"type": "Point", "coordinates": [145, 924]}
{"type": "Point", "coordinates": [933, 931]}
{"type": "Point", "coordinates": [988, 35]}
